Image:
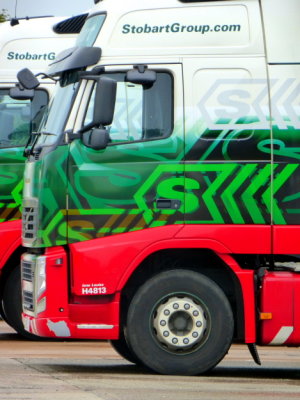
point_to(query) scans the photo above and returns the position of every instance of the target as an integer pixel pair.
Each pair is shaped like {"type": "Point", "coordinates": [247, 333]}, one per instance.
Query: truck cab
{"type": "Point", "coordinates": [173, 207]}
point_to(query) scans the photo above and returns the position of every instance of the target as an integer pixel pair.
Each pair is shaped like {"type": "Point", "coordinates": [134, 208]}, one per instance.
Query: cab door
{"type": "Point", "coordinates": [228, 150]}
{"type": "Point", "coordinates": [286, 133]}
{"type": "Point", "coordinates": [137, 181]}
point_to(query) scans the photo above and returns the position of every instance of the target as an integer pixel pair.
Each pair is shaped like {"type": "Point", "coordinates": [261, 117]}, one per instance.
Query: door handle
{"type": "Point", "coordinates": [170, 204]}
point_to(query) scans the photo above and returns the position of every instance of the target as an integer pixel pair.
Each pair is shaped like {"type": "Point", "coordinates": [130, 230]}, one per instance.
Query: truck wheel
{"type": "Point", "coordinates": [180, 322]}
{"type": "Point", "coordinates": [122, 348]}
{"type": "Point", "coordinates": [12, 303]}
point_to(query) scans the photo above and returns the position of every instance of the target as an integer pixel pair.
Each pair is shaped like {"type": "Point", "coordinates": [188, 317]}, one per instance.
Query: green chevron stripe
{"type": "Point", "coordinates": [248, 196]}
{"type": "Point", "coordinates": [278, 181]}
{"type": "Point", "coordinates": [224, 172]}
{"type": "Point", "coordinates": [227, 196]}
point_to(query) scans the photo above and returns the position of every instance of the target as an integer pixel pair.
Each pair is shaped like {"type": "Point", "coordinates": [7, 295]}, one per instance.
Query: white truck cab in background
{"type": "Point", "coordinates": [33, 43]}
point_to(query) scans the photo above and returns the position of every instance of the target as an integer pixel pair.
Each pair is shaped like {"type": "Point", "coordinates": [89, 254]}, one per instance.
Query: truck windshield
{"type": "Point", "coordinates": [19, 117]}
{"type": "Point", "coordinates": [90, 30]}
{"type": "Point", "coordinates": [54, 119]}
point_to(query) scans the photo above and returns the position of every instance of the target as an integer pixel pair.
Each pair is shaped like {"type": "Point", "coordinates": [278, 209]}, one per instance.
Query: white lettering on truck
{"type": "Point", "coordinates": [93, 288]}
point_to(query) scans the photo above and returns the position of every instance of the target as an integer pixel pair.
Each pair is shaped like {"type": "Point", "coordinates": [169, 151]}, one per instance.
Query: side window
{"type": "Point", "coordinates": [19, 117]}
{"type": "Point", "coordinates": [127, 125]}
{"type": "Point", "coordinates": [141, 113]}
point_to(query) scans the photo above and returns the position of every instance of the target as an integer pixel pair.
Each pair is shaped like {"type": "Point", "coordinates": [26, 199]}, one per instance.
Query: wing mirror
{"type": "Point", "coordinates": [95, 135]}
{"type": "Point", "coordinates": [27, 79]}
{"type": "Point", "coordinates": [96, 138]}
{"type": "Point", "coordinates": [104, 105]}
{"type": "Point", "coordinates": [105, 99]}
{"type": "Point", "coordinates": [18, 93]}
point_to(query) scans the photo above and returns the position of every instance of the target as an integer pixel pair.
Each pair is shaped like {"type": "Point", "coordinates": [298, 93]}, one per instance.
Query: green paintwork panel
{"type": "Point", "coordinates": [116, 190]}
{"type": "Point", "coordinates": [11, 183]}
{"type": "Point", "coordinates": [46, 180]}
{"type": "Point", "coordinates": [118, 194]}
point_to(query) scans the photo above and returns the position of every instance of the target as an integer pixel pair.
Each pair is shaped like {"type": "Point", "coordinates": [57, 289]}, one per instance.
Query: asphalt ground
{"type": "Point", "coordinates": [92, 370]}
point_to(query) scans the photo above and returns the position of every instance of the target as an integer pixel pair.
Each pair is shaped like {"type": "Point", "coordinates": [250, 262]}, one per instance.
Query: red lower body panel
{"type": "Point", "coordinates": [10, 239]}
{"type": "Point", "coordinates": [82, 299]}
{"type": "Point", "coordinates": [286, 239]}
{"type": "Point", "coordinates": [55, 313]}
{"type": "Point", "coordinates": [281, 299]}
{"type": "Point", "coordinates": [66, 327]}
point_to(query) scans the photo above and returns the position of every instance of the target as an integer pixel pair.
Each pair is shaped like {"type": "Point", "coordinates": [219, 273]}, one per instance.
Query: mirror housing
{"type": "Point", "coordinates": [96, 138]}
{"type": "Point", "coordinates": [104, 105]}
{"type": "Point", "coordinates": [21, 94]}
{"type": "Point", "coordinates": [105, 100]}
{"type": "Point", "coordinates": [95, 135]}
{"type": "Point", "coordinates": [140, 74]}
{"type": "Point", "coordinates": [27, 79]}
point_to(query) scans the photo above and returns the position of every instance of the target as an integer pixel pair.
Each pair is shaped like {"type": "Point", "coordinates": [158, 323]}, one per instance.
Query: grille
{"type": "Point", "coordinates": [28, 300]}
{"type": "Point", "coordinates": [71, 25]}
{"type": "Point", "coordinates": [27, 271]}
{"type": "Point", "coordinates": [29, 221]}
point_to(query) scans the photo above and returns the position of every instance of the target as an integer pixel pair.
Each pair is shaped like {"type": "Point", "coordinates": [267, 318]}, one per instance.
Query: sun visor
{"type": "Point", "coordinates": [74, 58]}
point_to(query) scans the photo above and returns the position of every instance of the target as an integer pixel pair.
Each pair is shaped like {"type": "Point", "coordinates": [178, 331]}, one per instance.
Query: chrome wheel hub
{"type": "Point", "coordinates": [179, 323]}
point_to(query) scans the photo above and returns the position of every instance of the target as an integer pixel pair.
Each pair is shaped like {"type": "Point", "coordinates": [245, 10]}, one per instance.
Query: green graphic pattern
{"type": "Point", "coordinates": [11, 183]}
{"type": "Point", "coordinates": [232, 194]}
{"type": "Point", "coordinates": [240, 177]}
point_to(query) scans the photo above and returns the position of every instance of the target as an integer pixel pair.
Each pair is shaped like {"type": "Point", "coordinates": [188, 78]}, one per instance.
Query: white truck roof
{"type": "Point", "coordinates": [229, 27]}
{"type": "Point", "coordinates": [171, 27]}
{"type": "Point", "coordinates": [32, 43]}
{"type": "Point", "coordinates": [282, 30]}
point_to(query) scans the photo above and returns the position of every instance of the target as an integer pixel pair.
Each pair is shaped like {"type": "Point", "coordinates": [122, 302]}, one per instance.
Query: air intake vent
{"type": "Point", "coordinates": [29, 221]}
{"type": "Point", "coordinates": [70, 25]}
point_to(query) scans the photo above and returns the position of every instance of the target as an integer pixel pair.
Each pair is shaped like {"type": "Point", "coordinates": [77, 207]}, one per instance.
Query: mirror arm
{"type": "Point", "coordinates": [141, 68]}
{"type": "Point", "coordinates": [86, 128]}
{"type": "Point", "coordinates": [45, 76]}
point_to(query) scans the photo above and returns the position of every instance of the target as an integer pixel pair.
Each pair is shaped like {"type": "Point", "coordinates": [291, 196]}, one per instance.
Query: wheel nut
{"type": "Point", "coordinates": [187, 306]}
{"type": "Point", "coordinates": [166, 334]}
{"type": "Point", "coordinates": [167, 312]}
{"type": "Point", "coordinates": [198, 324]}
{"type": "Point", "coordinates": [195, 334]}
{"type": "Point", "coordinates": [195, 313]}
{"type": "Point", "coordinates": [186, 341]}
{"type": "Point", "coordinates": [175, 306]}
{"type": "Point", "coordinates": [174, 340]}
{"type": "Point", "coordinates": [163, 323]}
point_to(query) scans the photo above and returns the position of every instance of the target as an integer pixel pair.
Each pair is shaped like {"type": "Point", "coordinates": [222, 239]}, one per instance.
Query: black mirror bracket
{"type": "Point", "coordinates": [96, 138]}
{"type": "Point", "coordinates": [140, 74]}
{"type": "Point", "coordinates": [70, 136]}
{"type": "Point", "coordinates": [141, 68]}
{"type": "Point", "coordinates": [46, 76]}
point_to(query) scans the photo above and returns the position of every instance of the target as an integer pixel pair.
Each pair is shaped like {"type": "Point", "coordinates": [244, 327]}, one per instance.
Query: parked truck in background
{"type": "Point", "coordinates": [33, 43]}
{"type": "Point", "coordinates": [161, 200]}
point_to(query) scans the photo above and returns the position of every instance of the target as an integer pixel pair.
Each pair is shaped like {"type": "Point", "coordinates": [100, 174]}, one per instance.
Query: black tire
{"type": "Point", "coordinates": [122, 348]}
{"type": "Point", "coordinates": [2, 315]}
{"type": "Point", "coordinates": [12, 303]}
{"type": "Point", "coordinates": [180, 323]}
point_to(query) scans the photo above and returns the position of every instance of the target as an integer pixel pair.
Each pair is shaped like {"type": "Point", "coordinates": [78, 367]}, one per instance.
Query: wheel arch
{"type": "Point", "coordinates": [11, 249]}
{"type": "Point", "coordinates": [202, 260]}
{"type": "Point", "coordinates": [12, 262]}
